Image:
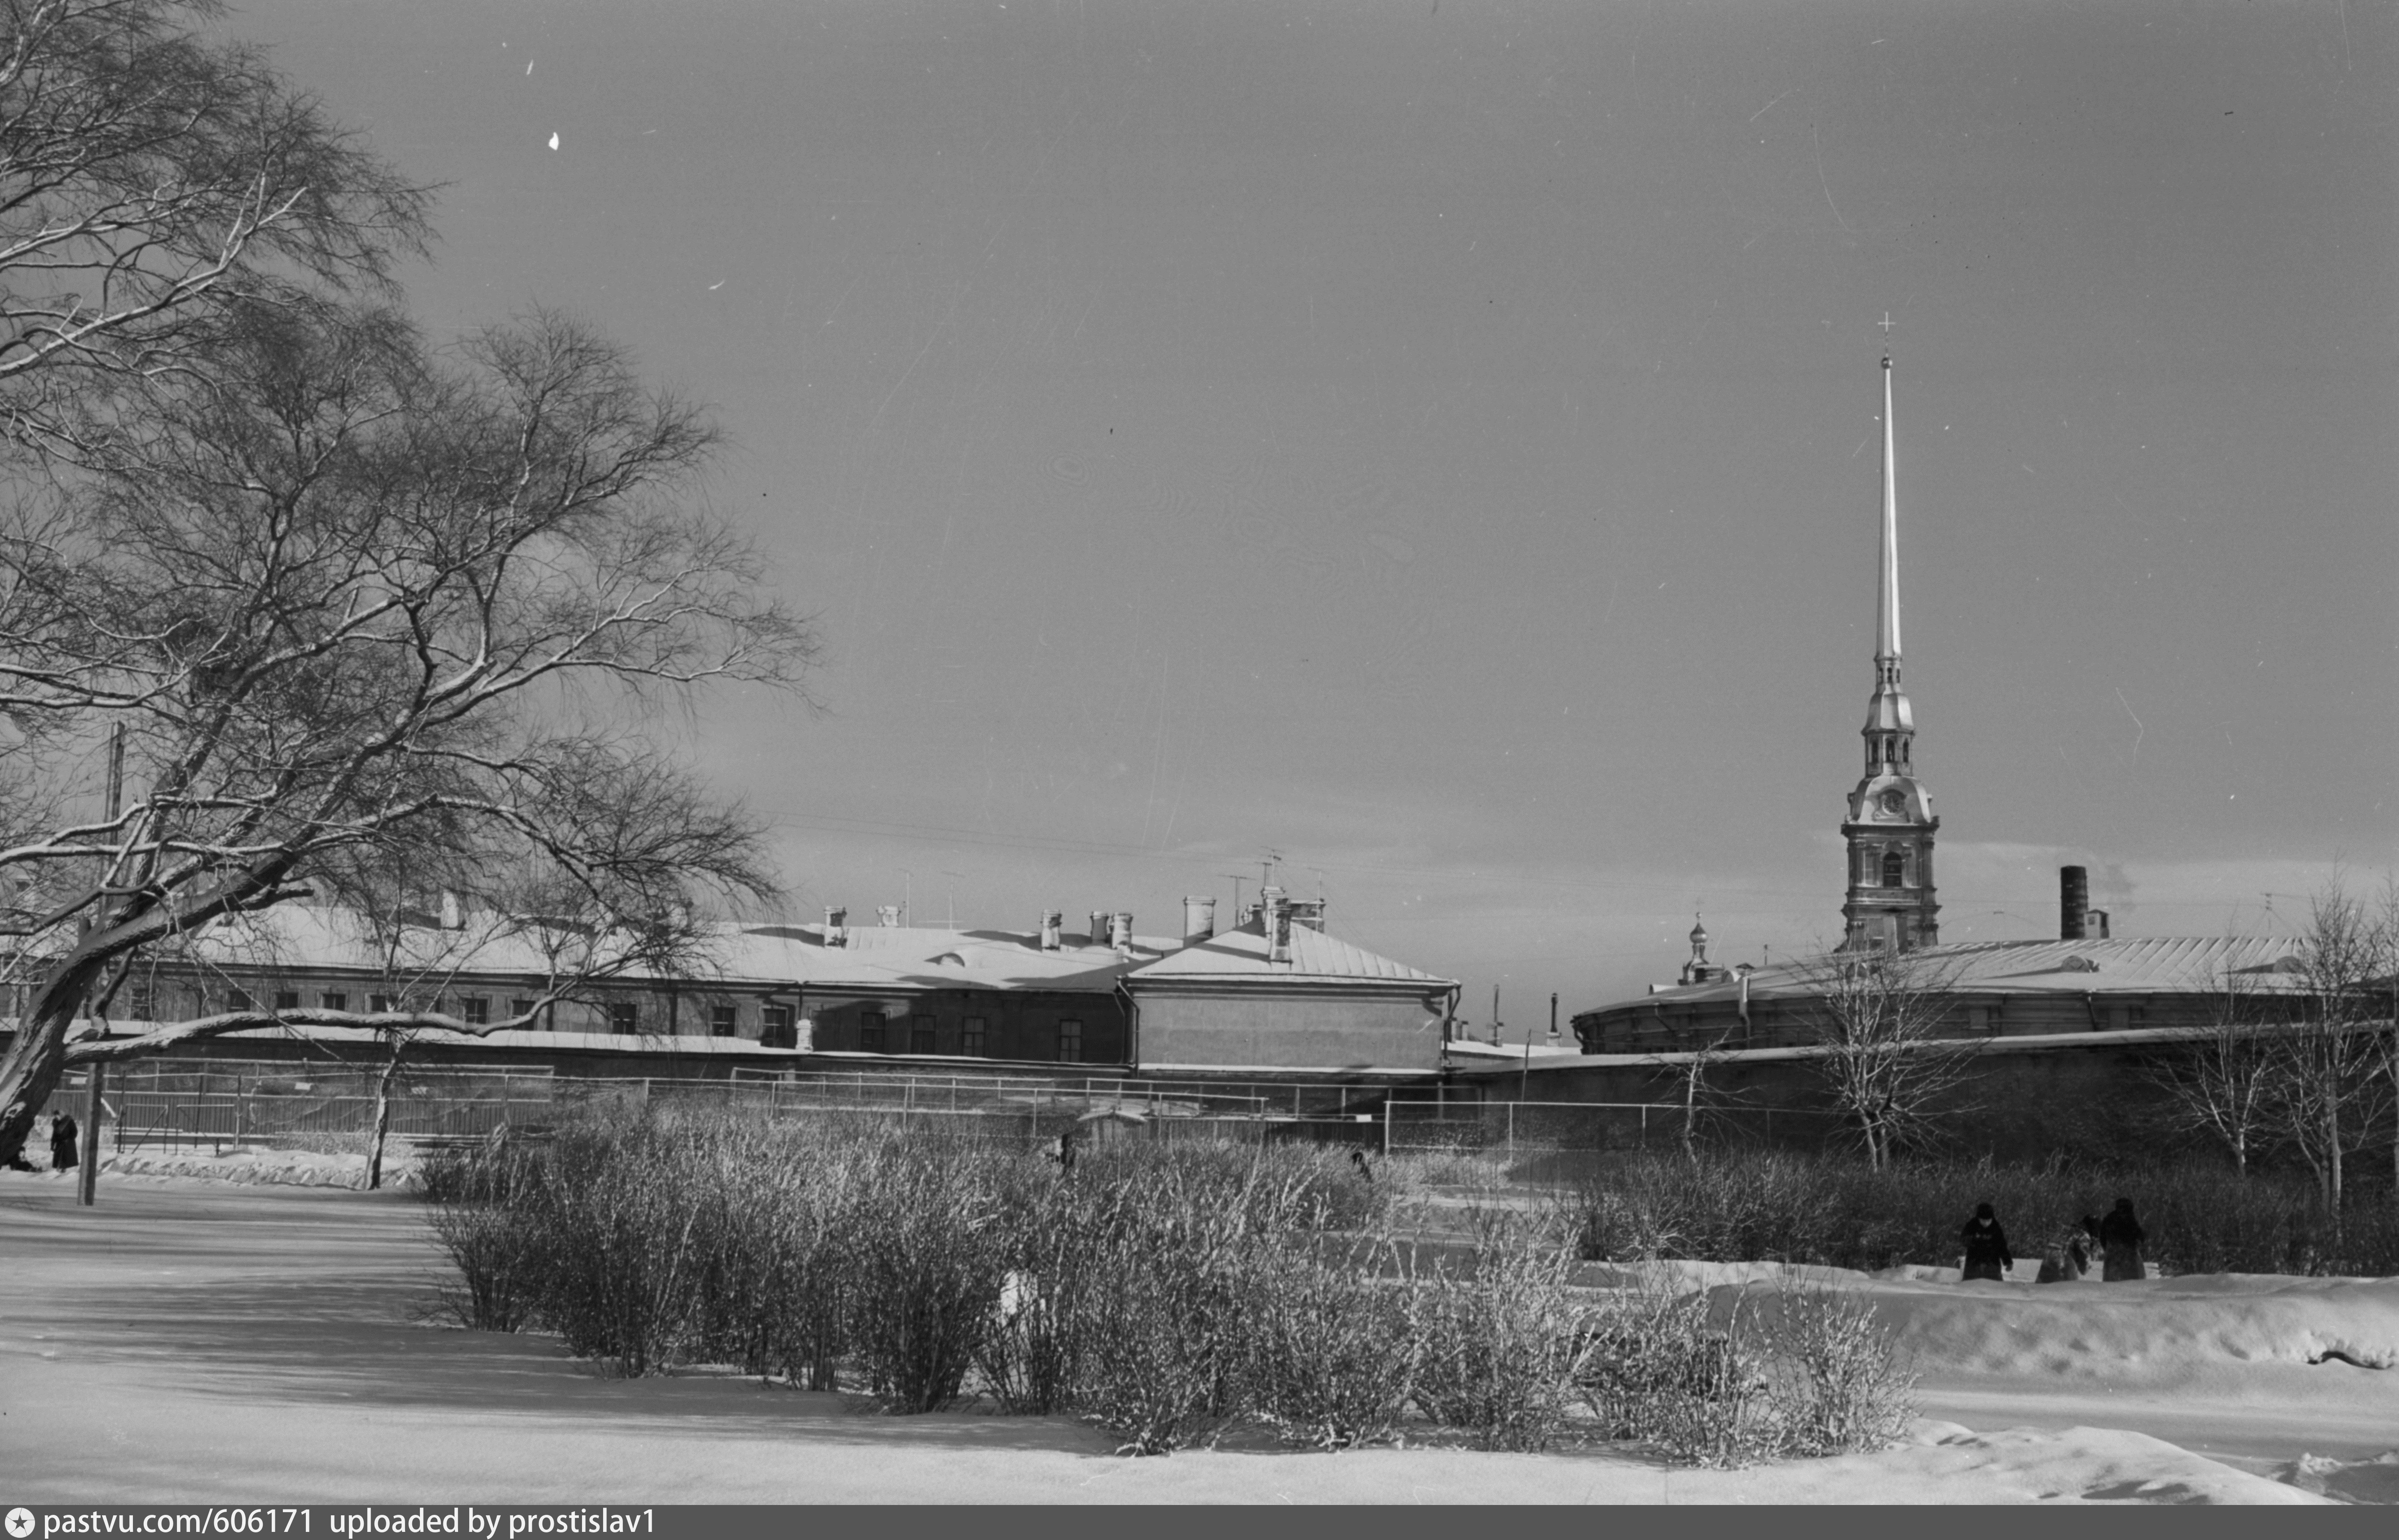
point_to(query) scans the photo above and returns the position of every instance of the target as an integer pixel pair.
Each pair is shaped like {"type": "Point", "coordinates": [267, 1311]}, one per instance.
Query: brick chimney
{"type": "Point", "coordinates": [1198, 920]}
{"type": "Point", "coordinates": [1050, 920]}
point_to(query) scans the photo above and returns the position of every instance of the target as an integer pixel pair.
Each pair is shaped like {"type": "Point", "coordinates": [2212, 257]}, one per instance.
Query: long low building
{"type": "Point", "coordinates": [1985, 989]}
{"type": "Point", "coordinates": [1275, 992]}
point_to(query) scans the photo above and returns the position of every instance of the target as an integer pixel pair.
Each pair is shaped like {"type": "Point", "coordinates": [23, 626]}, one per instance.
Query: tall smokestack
{"type": "Point", "coordinates": [1198, 920]}
{"type": "Point", "coordinates": [2073, 901]}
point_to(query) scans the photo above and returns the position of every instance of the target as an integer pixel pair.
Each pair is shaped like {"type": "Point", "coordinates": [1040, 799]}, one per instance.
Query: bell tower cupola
{"type": "Point", "coordinates": [1889, 828]}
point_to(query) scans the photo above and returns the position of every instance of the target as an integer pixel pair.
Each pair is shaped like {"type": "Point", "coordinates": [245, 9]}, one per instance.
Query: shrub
{"type": "Point", "coordinates": [498, 1270]}
{"type": "Point", "coordinates": [1335, 1347]}
{"type": "Point", "coordinates": [1501, 1341]}
{"type": "Point", "coordinates": [1163, 1365]}
{"type": "Point", "coordinates": [1840, 1389]}
{"type": "Point", "coordinates": [1658, 1366]}
{"type": "Point", "coordinates": [926, 1272]}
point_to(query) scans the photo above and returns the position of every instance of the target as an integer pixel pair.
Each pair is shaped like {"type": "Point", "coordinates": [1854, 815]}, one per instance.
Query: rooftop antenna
{"type": "Point", "coordinates": [1237, 881]}
{"type": "Point", "coordinates": [1266, 868]}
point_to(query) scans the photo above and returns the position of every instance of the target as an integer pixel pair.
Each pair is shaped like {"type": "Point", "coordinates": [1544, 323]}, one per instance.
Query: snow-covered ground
{"type": "Point", "coordinates": [197, 1339]}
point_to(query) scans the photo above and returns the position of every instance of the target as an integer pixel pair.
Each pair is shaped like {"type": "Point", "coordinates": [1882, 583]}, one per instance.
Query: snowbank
{"type": "Point", "coordinates": [255, 1164]}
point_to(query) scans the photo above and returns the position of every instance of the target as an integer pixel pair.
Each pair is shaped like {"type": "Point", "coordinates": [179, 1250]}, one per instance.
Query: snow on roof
{"type": "Point", "coordinates": [923, 958]}
{"type": "Point", "coordinates": [873, 957]}
{"type": "Point", "coordinates": [1241, 956]}
{"type": "Point", "coordinates": [2128, 964]}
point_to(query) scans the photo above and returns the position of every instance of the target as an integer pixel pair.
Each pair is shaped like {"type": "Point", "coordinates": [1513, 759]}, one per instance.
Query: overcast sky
{"type": "Point", "coordinates": [1428, 440]}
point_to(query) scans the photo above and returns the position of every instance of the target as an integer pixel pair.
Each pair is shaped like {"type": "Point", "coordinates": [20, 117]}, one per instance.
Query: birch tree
{"type": "Point", "coordinates": [2331, 1067]}
{"type": "Point", "coordinates": [1878, 1019]}
{"type": "Point", "coordinates": [2222, 1085]}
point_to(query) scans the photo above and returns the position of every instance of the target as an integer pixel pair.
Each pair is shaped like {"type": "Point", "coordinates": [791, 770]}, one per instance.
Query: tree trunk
{"type": "Point", "coordinates": [2332, 1161]}
{"type": "Point", "coordinates": [37, 1057]}
{"type": "Point", "coordinates": [382, 1119]}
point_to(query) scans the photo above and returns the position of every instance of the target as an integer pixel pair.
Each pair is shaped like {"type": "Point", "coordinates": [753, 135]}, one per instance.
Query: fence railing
{"type": "Point", "coordinates": [167, 1103]}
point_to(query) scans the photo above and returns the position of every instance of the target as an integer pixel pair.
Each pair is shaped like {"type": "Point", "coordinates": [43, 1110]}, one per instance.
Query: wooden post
{"type": "Point", "coordinates": [88, 1179]}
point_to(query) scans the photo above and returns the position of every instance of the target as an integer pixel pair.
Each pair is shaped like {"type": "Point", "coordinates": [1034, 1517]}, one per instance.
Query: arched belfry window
{"type": "Point", "coordinates": [1894, 868]}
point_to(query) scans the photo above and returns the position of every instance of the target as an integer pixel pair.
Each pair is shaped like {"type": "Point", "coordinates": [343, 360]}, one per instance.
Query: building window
{"type": "Point", "coordinates": [870, 1031]}
{"type": "Point", "coordinates": [334, 999]}
{"type": "Point", "coordinates": [378, 1003]}
{"type": "Point", "coordinates": [1070, 1042]}
{"type": "Point", "coordinates": [287, 999]}
{"type": "Point", "coordinates": [970, 1037]}
{"type": "Point", "coordinates": [475, 1010]}
{"type": "Point", "coordinates": [775, 1028]}
{"type": "Point", "coordinates": [1894, 868]}
{"type": "Point", "coordinates": [238, 999]}
{"type": "Point", "coordinates": [141, 1003]}
{"type": "Point", "coordinates": [624, 1017]}
{"type": "Point", "coordinates": [920, 1035]}
{"type": "Point", "coordinates": [518, 1007]}
{"type": "Point", "coordinates": [722, 1019]}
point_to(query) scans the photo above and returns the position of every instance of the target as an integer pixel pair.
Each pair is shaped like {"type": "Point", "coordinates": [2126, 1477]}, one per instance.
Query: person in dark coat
{"type": "Point", "coordinates": [1987, 1247]}
{"type": "Point", "coordinates": [62, 1142]}
{"type": "Point", "coordinates": [2120, 1244]}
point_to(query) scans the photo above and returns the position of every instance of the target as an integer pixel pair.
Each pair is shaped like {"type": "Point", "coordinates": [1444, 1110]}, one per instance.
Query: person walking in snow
{"type": "Point", "coordinates": [62, 1142]}
{"type": "Point", "coordinates": [2120, 1244]}
{"type": "Point", "coordinates": [1986, 1248]}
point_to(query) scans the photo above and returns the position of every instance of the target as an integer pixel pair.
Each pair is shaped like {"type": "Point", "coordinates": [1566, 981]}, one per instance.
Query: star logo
{"type": "Point", "coordinates": [21, 1523]}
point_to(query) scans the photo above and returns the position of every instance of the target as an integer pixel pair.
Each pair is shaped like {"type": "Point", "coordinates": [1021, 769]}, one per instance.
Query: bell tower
{"type": "Point", "coordinates": [1891, 825]}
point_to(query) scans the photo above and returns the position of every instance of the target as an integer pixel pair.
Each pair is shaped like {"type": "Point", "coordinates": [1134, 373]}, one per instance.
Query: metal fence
{"type": "Point", "coordinates": [164, 1105]}
{"type": "Point", "coordinates": [156, 1103]}
{"type": "Point", "coordinates": [1503, 1128]}
{"type": "Point", "coordinates": [167, 1103]}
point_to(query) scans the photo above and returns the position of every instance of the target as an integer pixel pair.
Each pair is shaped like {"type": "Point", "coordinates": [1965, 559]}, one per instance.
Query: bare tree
{"type": "Point", "coordinates": [2222, 1084]}
{"type": "Point", "coordinates": [1692, 1072]}
{"type": "Point", "coordinates": [341, 594]}
{"type": "Point", "coordinates": [147, 171]}
{"type": "Point", "coordinates": [2330, 1070]}
{"type": "Point", "coordinates": [1878, 1019]}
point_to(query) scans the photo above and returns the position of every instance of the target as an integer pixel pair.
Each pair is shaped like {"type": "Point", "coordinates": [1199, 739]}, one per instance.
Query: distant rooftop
{"type": "Point", "coordinates": [1242, 954]}
{"type": "Point", "coordinates": [2140, 964]}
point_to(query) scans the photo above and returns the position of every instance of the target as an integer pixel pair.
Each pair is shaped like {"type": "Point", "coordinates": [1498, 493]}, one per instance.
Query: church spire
{"type": "Point", "coordinates": [1890, 824]}
{"type": "Point", "coordinates": [1890, 725]}
{"type": "Point", "coordinates": [1886, 633]}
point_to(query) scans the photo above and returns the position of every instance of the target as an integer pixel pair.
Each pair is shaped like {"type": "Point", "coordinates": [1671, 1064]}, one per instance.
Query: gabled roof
{"type": "Point", "coordinates": [1241, 956]}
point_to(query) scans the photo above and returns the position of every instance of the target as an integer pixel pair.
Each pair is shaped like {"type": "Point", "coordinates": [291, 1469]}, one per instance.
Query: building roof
{"type": "Point", "coordinates": [296, 936]}
{"type": "Point", "coordinates": [1241, 956]}
{"type": "Point", "coordinates": [922, 957]}
{"type": "Point", "coordinates": [2127, 964]}
{"type": "Point", "coordinates": [914, 957]}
